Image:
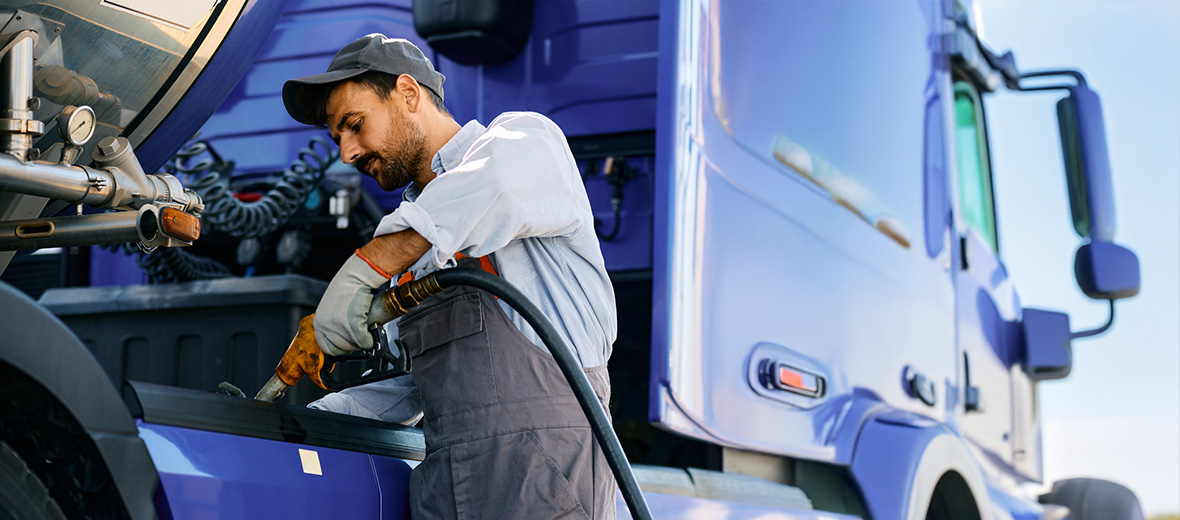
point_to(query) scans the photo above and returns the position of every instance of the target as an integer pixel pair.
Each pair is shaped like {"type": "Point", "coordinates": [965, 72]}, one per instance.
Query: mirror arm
{"type": "Point", "coordinates": [1081, 80]}
{"type": "Point", "coordinates": [1097, 331]}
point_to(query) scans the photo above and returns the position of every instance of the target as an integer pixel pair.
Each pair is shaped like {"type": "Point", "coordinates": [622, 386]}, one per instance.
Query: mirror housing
{"type": "Point", "coordinates": [1047, 352]}
{"type": "Point", "coordinates": [1087, 165]}
{"type": "Point", "coordinates": [1106, 271]}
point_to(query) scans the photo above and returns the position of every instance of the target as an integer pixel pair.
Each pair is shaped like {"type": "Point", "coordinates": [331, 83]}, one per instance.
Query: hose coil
{"type": "Point", "coordinates": [210, 178]}
{"type": "Point", "coordinates": [173, 264]}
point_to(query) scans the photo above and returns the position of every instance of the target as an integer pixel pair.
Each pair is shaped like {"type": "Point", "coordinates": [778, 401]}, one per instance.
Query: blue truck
{"type": "Point", "coordinates": [795, 207]}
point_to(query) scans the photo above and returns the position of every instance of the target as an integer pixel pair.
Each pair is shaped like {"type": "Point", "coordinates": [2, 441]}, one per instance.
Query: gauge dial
{"type": "Point", "coordinates": [76, 124]}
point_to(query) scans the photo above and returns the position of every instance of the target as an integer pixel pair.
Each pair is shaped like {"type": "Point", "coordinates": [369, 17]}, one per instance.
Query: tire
{"type": "Point", "coordinates": [22, 495]}
{"type": "Point", "coordinates": [1093, 499]}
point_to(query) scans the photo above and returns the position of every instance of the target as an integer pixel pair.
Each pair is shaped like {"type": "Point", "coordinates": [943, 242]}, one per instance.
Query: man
{"type": "Point", "coordinates": [505, 437]}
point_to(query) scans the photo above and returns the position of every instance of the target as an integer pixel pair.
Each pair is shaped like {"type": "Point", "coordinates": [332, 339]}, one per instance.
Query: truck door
{"type": "Point", "coordinates": [987, 304]}
{"type": "Point", "coordinates": [793, 269]}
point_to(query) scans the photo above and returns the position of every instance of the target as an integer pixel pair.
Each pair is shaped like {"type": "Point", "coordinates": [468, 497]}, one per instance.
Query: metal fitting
{"type": "Point", "coordinates": [399, 300]}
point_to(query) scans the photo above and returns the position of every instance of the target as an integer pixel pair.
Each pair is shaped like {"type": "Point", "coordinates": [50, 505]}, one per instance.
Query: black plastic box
{"type": "Point", "coordinates": [195, 334]}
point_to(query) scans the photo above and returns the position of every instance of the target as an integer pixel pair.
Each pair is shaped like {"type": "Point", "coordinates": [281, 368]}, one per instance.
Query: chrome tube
{"type": "Point", "coordinates": [141, 226]}
{"type": "Point", "coordinates": [122, 185]}
{"type": "Point", "coordinates": [73, 184]}
{"type": "Point", "coordinates": [17, 126]}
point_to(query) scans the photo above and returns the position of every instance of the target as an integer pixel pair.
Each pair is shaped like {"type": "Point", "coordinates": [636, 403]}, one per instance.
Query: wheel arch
{"type": "Point", "coordinates": [59, 401]}
{"type": "Point", "coordinates": [902, 459]}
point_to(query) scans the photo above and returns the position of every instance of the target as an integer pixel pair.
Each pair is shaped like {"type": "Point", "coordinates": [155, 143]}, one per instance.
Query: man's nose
{"type": "Point", "coordinates": [349, 151]}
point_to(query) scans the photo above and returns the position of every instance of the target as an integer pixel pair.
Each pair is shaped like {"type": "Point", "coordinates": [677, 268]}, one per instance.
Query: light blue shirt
{"type": "Point", "coordinates": [512, 190]}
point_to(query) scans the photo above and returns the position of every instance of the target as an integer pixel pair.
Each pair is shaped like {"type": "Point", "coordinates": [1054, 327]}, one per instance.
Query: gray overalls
{"type": "Point", "coordinates": [505, 437]}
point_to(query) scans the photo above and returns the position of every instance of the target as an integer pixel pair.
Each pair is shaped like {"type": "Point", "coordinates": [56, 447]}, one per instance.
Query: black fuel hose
{"type": "Point", "coordinates": [570, 367]}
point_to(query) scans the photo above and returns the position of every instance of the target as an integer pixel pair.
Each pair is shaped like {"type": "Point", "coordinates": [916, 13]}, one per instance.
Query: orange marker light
{"type": "Point", "coordinates": [180, 224]}
{"type": "Point", "coordinates": [790, 378]}
{"type": "Point", "coordinates": [799, 381]}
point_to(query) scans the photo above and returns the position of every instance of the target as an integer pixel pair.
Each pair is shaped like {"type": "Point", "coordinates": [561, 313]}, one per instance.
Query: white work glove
{"type": "Point", "coordinates": [341, 319]}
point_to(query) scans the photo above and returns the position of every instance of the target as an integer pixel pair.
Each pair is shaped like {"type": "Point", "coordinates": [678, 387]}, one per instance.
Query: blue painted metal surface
{"type": "Point", "coordinates": [692, 508]}
{"type": "Point", "coordinates": [1047, 353]}
{"type": "Point", "coordinates": [1106, 270]}
{"type": "Point", "coordinates": [989, 340]}
{"type": "Point", "coordinates": [393, 477]}
{"type": "Point", "coordinates": [887, 461]}
{"type": "Point", "coordinates": [590, 66]}
{"type": "Point", "coordinates": [902, 458]}
{"type": "Point", "coordinates": [215, 475]}
{"type": "Point", "coordinates": [763, 178]}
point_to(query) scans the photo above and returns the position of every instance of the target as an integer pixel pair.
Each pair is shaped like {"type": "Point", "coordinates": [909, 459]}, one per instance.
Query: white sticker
{"type": "Point", "coordinates": [311, 462]}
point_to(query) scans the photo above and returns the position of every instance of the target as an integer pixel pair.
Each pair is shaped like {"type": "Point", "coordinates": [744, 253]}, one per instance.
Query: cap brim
{"type": "Point", "coordinates": [298, 92]}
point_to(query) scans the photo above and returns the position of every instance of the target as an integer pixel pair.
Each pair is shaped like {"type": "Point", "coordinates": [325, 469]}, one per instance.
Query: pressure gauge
{"type": "Point", "coordinates": [76, 124]}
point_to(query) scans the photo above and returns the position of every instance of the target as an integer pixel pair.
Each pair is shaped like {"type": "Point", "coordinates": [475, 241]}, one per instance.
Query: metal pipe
{"type": "Point", "coordinates": [104, 228]}
{"type": "Point", "coordinates": [17, 125]}
{"type": "Point", "coordinates": [73, 184]}
{"type": "Point", "coordinates": [110, 186]}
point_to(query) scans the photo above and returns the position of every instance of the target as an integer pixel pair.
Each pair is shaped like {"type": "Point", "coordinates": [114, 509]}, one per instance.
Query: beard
{"type": "Point", "coordinates": [402, 158]}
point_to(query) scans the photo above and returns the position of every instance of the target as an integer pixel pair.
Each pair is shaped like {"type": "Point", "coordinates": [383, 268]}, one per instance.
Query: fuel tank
{"type": "Point", "coordinates": [152, 71]}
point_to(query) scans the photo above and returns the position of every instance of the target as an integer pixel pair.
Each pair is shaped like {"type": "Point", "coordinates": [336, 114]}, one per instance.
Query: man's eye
{"type": "Point", "coordinates": [356, 125]}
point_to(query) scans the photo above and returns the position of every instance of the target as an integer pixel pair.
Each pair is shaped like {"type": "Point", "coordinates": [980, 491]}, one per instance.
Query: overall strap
{"type": "Point", "coordinates": [485, 263]}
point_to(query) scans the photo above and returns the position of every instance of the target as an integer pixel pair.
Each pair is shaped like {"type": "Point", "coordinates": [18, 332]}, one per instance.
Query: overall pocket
{"type": "Point", "coordinates": [452, 363]}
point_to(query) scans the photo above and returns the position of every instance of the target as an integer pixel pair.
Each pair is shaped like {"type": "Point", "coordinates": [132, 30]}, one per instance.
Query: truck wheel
{"type": "Point", "coordinates": [22, 495]}
{"type": "Point", "coordinates": [1093, 499]}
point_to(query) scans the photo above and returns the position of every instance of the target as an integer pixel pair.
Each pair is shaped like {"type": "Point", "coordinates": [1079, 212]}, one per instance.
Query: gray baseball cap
{"type": "Point", "coordinates": [374, 52]}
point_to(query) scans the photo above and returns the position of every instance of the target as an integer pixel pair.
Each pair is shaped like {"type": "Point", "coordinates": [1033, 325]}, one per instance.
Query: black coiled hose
{"type": "Point", "coordinates": [570, 368]}
{"type": "Point", "coordinates": [173, 264]}
{"type": "Point", "coordinates": [210, 178]}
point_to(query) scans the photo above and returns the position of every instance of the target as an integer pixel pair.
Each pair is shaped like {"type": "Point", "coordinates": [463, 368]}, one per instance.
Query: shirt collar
{"type": "Point", "coordinates": [450, 155]}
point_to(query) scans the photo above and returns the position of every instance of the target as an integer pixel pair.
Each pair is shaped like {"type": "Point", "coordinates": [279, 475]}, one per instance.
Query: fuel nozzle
{"type": "Point", "coordinates": [303, 358]}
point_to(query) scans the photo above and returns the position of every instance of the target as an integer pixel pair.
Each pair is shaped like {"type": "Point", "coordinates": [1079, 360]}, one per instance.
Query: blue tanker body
{"type": "Point", "coordinates": [795, 206]}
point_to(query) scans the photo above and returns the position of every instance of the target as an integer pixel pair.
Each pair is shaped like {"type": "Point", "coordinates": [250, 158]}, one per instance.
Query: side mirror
{"type": "Point", "coordinates": [1087, 165]}
{"type": "Point", "coordinates": [1047, 353]}
{"type": "Point", "coordinates": [1106, 271]}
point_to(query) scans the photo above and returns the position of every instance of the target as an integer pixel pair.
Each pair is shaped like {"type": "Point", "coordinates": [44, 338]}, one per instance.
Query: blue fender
{"type": "Point", "coordinates": [899, 459]}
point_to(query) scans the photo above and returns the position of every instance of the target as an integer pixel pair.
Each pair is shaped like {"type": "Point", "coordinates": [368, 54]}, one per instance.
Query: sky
{"type": "Point", "coordinates": [1117, 416]}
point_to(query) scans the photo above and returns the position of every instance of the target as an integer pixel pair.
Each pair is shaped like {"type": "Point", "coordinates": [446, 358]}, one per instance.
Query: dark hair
{"type": "Point", "coordinates": [378, 82]}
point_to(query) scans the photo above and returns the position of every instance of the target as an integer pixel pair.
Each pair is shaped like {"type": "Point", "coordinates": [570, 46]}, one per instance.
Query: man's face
{"type": "Point", "coordinates": [376, 135]}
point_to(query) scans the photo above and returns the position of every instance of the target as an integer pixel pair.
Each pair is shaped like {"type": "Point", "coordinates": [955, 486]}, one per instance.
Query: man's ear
{"type": "Point", "coordinates": [409, 90]}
